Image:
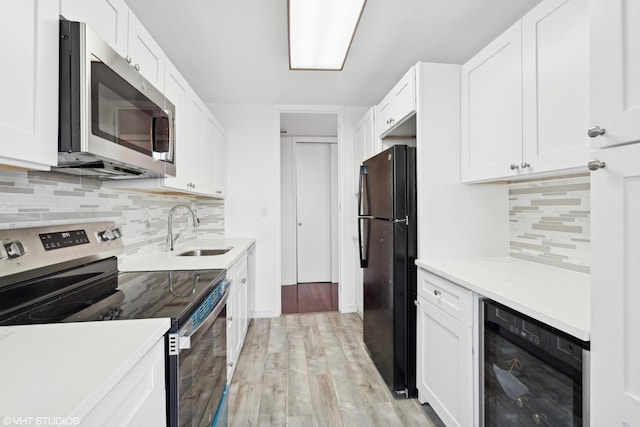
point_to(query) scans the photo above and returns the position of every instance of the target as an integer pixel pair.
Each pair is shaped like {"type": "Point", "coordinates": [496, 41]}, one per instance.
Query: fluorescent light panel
{"type": "Point", "coordinates": [320, 32]}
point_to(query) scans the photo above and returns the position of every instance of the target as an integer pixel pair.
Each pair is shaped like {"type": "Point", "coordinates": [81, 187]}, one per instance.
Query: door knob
{"type": "Point", "coordinates": [594, 131]}
{"type": "Point", "coordinates": [595, 164]}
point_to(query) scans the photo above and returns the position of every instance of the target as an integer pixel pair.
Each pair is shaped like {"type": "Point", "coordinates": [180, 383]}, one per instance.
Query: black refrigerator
{"type": "Point", "coordinates": [387, 228]}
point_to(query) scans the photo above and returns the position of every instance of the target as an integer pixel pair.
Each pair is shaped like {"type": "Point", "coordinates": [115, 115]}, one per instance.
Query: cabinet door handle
{"type": "Point", "coordinates": [436, 292]}
{"type": "Point", "coordinates": [514, 166]}
{"type": "Point", "coordinates": [244, 281]}
{"type": "Point", "coordinates": [595, 131]}
{"type": "Point", "coordinates": [595, 164]}
{"type": "Point", "coordinates": [137, 67]}
{"type": "Point", "coordinates": [416, 303]}
{"type": "Point", "coordinates": [231, 364]}
{"type": "Point", "coordinates": [128, 59]}
{"type": "Point", "coordinates": [525, 165]}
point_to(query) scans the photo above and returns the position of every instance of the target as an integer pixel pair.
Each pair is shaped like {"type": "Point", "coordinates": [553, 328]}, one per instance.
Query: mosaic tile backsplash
{"type": "Point", "coordinates": [31, 199]}
{"type": "Point", "coordinates": [550, 222]}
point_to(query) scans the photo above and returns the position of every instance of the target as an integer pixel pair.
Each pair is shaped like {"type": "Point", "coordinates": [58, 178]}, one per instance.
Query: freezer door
{"type": "Point", "coordinates": [385, 184]}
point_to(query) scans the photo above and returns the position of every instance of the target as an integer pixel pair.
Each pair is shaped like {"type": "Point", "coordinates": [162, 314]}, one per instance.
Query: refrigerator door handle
{"type": "Point", "coordinates": [363, 244]}
{"type": "Point", "coordinates": [361, 190]}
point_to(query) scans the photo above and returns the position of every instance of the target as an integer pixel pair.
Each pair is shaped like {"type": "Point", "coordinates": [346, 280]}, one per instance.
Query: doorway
{"type": "Point", "coordinates": [309, 208]}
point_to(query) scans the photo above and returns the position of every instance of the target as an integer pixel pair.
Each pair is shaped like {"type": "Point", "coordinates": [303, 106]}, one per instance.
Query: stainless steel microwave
{"type": "Point", "coordinates": [113, 123]}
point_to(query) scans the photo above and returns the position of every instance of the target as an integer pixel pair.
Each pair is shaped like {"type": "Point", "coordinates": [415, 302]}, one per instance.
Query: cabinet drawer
{"type": "Point", "coordinates": [452, 298]}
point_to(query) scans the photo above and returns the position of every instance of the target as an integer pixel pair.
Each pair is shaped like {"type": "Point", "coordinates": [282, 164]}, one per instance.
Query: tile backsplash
{"type": "Point", "coordinates": [31, 199]}
{"type": "Point", "coordinates": [550, 222]}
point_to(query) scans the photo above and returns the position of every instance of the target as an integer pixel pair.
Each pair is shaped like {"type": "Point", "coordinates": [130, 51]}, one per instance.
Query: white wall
{"type": "Point", "coordinates": [252, 202]}
{"type": "Point", "coordinates": [455, 219]}
{"type": "Point", "coordinates": [252, 206]}
{"type": "Point", "coordinates": [288, 212]}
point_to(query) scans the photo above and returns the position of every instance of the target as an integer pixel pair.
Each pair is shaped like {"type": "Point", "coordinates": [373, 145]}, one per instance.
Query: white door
{"type": "Point", "coordinates": [615, 290]}
{"type": "Point", "coordinates": [615, 70]}
{"type": "Point", "coordinates": [555, 63]}
{"type": "Point", "coordinates": [29, 84]}
{"type": "Point", "coordinates": [443, 371]}
{"type": "Point", "coordinates": [313, 206]}
{"type": "Point", "coordinates": [491, 88]}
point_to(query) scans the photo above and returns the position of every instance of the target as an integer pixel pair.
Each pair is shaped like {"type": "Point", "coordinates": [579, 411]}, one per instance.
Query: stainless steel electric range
{"type": "Point", "coordinates": [69, 273]}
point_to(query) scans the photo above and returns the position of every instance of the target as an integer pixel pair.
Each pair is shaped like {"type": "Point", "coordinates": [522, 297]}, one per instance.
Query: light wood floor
{"type": "Point", "coordinates": [313, 370]}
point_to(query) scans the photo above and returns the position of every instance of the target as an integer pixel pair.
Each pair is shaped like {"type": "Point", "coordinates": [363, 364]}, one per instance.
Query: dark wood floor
{"type": "Point", "coordinates": [309, 298]}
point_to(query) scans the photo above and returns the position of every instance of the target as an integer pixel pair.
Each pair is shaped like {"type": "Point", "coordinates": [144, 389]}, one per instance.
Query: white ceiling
{"type": "Point", "coordinates": [235, 51]}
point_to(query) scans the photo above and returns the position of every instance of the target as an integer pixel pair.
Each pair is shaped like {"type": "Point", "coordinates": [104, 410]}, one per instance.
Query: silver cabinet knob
{"type": "Point", "coordinates": [436, 292]}
{"type": "Point", "coordinates": [594, 131]}
{"type": "Point", "coordinates": [231, 364]}
{"type": "Point", "coordinates": [243, 281]}
{"type": "Point", "coordinates": [525, 165]}
{"type": "Point", "coordinates": [299, 224]}
{"type": "Point", "coordinates": [128, 59]}
{"type": "Point", "coordinates": [514, 166]}
{"type": "Point", "coordinates": [416, 303]}
{"type": "Point", "coordinates": [595, 164]}
{"type": "Point", "coordinates": [137, 67]}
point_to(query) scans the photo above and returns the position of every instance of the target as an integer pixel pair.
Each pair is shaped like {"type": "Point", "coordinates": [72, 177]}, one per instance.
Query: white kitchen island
{"type": "Point", "coordinates": [86, 373]}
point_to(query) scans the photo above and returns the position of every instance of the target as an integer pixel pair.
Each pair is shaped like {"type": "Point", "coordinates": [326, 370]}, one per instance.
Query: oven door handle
{"type": "Point", "coordinates": [185, 333]}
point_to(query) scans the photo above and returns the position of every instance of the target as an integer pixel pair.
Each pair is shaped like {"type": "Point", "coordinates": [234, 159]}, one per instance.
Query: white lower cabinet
{"type": "Point", "coordinates": [139, 399]}
{"type": "Point", "coordinates": [237, 313]}
{"type": "Point", "coordinates": [444, 344]}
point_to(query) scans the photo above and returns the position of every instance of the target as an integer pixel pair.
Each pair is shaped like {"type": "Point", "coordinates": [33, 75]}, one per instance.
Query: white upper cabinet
{"type": "Point", "coordinates": [397, 105]}
{"type": "Point", "coordinates": [144, 54]}
{"type": "Point", "coordinates": [615, 72]}
{"type": "Point", "coordinates": [492, 109]}
{"type": "Point", "coordinates": [525, 97]}
{"type": "Point", "coordinates": [217, 159]}
{"type": "Point", "coordinates": [29, 84]}
{"type": "Point", "coordinates": [213, 156]}
{"type": "Point", "coordinates": [118, 26]}
{"type": "Point", "coordinates": [176, 89]}
{"type": "Point", "coordinates": [555, 85]}
{"type": "Point", "coordinates": [108, 18]}
{"type": "Point", "coordinates": [366, 143]}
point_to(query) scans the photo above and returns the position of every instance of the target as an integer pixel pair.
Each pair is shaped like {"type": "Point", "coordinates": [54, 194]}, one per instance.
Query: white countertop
{"type": "Point", "coordinates": [66, 369]}
{"type": "Point", "coordinates": [166, 260]}
{"type": "Point", "coordinates": [555, 296]}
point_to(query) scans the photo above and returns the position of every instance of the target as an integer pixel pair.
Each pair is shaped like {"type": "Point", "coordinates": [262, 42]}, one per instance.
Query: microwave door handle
{"type": "Point", "coordinates": [162, 155]}
{"type": "Point", "coordinates": [171, 134]}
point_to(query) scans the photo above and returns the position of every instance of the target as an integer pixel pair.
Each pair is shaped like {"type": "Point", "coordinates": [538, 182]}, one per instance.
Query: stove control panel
{"type": "Point", "coordinates": [63, 239]}
{"type": "Point", "coordinates": [28, 249]}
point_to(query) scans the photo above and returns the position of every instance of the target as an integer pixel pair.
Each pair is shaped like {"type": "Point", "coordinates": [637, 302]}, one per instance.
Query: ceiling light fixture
{"type": "Point", "coordinates": [321, 31]}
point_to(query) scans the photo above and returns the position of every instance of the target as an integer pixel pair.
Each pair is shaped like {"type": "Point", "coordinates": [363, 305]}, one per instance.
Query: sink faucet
{"type": "Point", "coordinates": [170, 239]}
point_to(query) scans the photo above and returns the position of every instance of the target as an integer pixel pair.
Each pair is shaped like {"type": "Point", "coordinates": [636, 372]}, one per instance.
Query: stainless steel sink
{"type": "Point", "coordinates": [205, 252]}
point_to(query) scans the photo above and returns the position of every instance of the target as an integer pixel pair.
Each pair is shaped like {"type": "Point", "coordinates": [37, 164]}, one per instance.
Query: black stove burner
{"type": "Point", "coordinates": [58, 312]}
